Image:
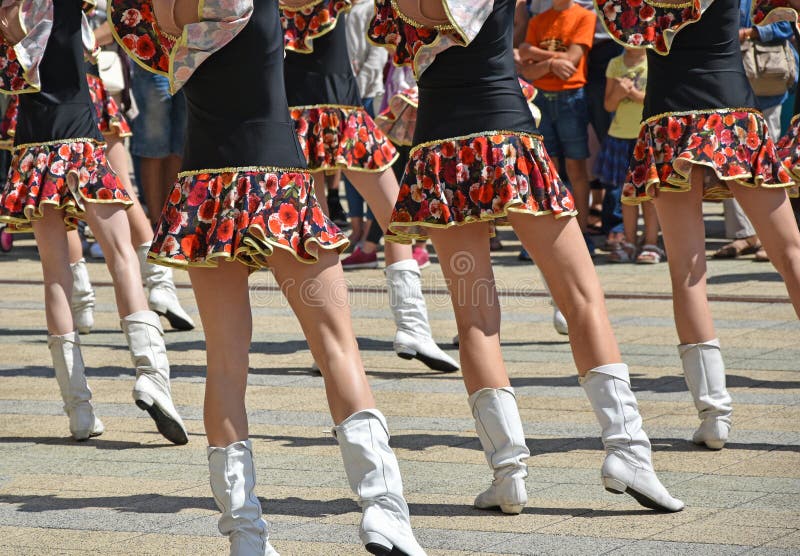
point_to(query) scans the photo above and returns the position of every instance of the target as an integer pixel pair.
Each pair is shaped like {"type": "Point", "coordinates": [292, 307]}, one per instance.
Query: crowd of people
{"type": "Point", "coordinates": [446, 118]}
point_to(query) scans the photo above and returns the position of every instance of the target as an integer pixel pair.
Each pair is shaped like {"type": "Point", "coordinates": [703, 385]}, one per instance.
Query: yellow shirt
{"type": "Point", "coordinates": [628, 117]}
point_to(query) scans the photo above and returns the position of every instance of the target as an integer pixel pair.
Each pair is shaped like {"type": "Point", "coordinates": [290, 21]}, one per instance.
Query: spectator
{"type": "Point", "coordinates": [554, 57]}
{"type": "Point", "coordinates": [737, 226]}
{"type": "Point", "coordinates": [624, 97]}
{"type": "Point", "coordinates": [158, 135]}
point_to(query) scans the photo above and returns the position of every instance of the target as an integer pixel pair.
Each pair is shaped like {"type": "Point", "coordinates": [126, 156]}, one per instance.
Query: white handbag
{"type": "Point", "coordinates": [111, 72]}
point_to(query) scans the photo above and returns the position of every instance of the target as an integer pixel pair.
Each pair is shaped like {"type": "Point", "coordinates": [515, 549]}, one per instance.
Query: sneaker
{"type": "Point", "coordinates": [524, 256]}
{"type": "Point", "coordinates": [420, 254]}
{"type": "Point", "coordinates": [359, 259]}
{"type": "Point", "coordinates": [96, 252]}
{"type": "Point", "coordinates": [495, 244]}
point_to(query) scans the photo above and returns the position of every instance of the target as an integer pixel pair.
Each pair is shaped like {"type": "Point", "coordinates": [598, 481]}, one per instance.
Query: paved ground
{"type": "Point", "coordinates": [128, 492]}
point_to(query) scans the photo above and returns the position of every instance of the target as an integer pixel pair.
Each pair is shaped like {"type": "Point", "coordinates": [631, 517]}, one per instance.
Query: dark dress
{"type": "Point", "coordinates": [476, 155]}
{"type": "Point", "coordinates": [699, 106]}
{"type": "Point", "coordinates": [333, 128]}
{"type": "Point", "coordinates": [244, 189]}
{"type": "Point", "coordinates": [59, 152]}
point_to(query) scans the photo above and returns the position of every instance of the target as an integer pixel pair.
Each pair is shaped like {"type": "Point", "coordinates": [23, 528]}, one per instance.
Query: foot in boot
{"type": "Point", "coordinates": [560, 323]}
{"type": "Point", "coordinates": [620, 476]}
{"type": "Point", "coordinates": [157, 402]}
{"type": "Point", "coordinates": [165, 302]}
{"type": "Point", "coordinates": [83, 423]}
{"type": "Point", "coordinates": [508, 494]}
{"type": "Point", "coordinates": [409, 346]}
{"type": "Point", "coordinates": [713, 433]}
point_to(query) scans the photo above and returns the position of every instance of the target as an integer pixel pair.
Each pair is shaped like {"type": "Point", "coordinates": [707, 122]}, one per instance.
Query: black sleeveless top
{"type": "Point", "coordinates": [237, 115]}
{"type": "Point", "coordinates": [474, 89]}
{"type": "Point", "coordinates": [703, 69]}
{"type": "Point", "coordinates": [325, 75]}
{"type": "Point", "coordinates": [63, 108]}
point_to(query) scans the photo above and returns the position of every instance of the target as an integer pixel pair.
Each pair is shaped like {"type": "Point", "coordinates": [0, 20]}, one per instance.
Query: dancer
{"type": "Point", "coordinates": [463, 59]}
{"type": "Point", "coordinates": [702, 137]}
{"type": "Point", "coordinates": [335, 132]}
{"type": "Point", "coordinates": [59, 174]}
{"type": "Point", "coordinates": [162, 296]}
{"type": "Point", "coordinates": [244, 201]}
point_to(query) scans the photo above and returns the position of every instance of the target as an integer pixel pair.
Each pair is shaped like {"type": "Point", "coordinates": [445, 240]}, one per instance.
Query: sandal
{"type": "Point", "coordinates": [624, 253]}
{"type": "Point", "coordinates": [736, 248]}
{"type": "Point", "coordinates": [761, 256]}
{"type": "Point", "coordinates": [651, 254]}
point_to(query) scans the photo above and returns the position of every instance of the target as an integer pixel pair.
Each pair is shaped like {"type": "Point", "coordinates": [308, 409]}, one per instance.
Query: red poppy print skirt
{"type": "Point", "coordinates": [242, 216]}
{"type": "Point", "coordinates": [477, 178]}
{"type": "Point", "coordinates": [789, 148]}
{"type": "Point", "coordinates": [109, 117]}
{"type": "Point", "coordinates": [735, 144]}
{"type": "Point", "coordinates": [65, 174]}
{"type": "Point", "coordinates": [343, 137]}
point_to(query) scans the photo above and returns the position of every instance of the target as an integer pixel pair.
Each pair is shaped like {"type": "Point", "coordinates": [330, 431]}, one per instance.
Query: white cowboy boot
{"type": "Point", "coordinates": [500, 432]}
{"type": "Point", "coordinates": [627, 467]}
{"type": "Point", "coordinates": [704, 372]}
{"type": "Point", "coordinates": [413, 339]}
{"type": "Point", "coordinates": [151, 392]}
{"type": "Point", "coordinates": [374, 475]}
{"type": "Point", "coordinates": [82, 299]}
{"type": "Point", "coordinates": [68, 364]}
{"type": "Point", "coordinates": [233, 480]}
{"type": "Point", "coordinates": [162, 297]}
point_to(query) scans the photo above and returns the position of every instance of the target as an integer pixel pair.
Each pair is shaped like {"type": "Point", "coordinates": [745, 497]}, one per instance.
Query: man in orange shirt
{"type": "Point", "coordinates": [553, 56]}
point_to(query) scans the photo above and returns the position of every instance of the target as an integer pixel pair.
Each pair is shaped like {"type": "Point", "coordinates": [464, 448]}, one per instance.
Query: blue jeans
{"type": "Point", "coordinates": [160, 128]}
{"type": "Point", "coordinates": [612, 209]}
{"type": "Point", "coordinates": [565, 121]}
{"type": "Point", "coordinates": [355, 202]}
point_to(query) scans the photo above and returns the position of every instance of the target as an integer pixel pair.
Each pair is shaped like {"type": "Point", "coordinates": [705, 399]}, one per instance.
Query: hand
{"type": "Point", "coordinates": [625, 84]}
{"type": "Point", "coordinates": [748, 33]}
{"type": "Point", "coordinates": [525, 53]}
{"type": "Point", "coordinates": [562, 68]}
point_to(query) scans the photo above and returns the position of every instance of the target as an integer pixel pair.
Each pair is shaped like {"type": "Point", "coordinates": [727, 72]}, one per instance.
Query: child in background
{"type": "Point", "coordinates": [626, 78]}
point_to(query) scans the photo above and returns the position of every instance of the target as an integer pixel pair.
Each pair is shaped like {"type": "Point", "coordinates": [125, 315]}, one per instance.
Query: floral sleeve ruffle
{"type": "Point", "coordinates": [415, 45]}
{"type": "Point", "coordinates": [302, 25]}
{"type": "Point", "coordinates": [135, 28]}
{"type": "Point", "coordinates": [645, 24]}
{"type": "Point", "coordinates": [764, 12]}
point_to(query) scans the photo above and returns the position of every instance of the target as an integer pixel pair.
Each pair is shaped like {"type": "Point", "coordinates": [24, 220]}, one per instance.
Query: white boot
{"type": "Point", "coordinates": [68, 363]}
{"type": "Point", "coordinates": [413, 339]}
{"type": "Point", "coordinates": [151, 392]}
{"type": "Point", "coordinates": [500, 432]}
{"type": "Point", "coordinates": [704, 372]}
{"type": "Point", "coordinates": [233, 479]}
{"type": "Point", "coordinates": [82, 300]}
{"type": "Point", "coordinates": [162, 297]}
{"type": "Point", "coordinates": [374, 475]}
{"type": "Point", "coordinates": [627, 467]}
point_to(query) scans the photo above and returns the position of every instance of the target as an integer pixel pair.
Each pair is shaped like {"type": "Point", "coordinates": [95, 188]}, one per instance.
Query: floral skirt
{"type": "Point", "coordinates": [343, 137]}
{"type": "Point", "coordinates": [789, 148]}
{"type": "Point", "coordinates": [110, 119]}
{"type": "Point", "coordinates": [734, 144]}
{"type": "Point", "coordinates": [476, 178]}
{"type": "Point", "coordinates": [66, 174]}
{"type": "Point", "coordinates": [242, 215]}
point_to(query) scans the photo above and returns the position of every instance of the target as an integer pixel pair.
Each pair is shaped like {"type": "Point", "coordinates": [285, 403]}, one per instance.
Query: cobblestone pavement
{"type": "Point", "coordinates": [128, 492]}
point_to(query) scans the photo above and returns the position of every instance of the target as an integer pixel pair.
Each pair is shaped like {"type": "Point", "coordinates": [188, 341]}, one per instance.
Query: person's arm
{"type": "Point", "coordinates": [774, 32]}
{"type": "Point", "coordinates": [537, 70]}
{"type": "Point", "coordinates": [102, 34]}
{"type": "Point", "coordinates": [520, 22]}
{"type": "Point", "coordinates": [615, 92]}
{"type": "Point", "coordinates": [636, 95]}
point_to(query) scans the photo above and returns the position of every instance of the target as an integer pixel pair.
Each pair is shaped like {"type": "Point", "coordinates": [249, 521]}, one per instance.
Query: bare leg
{"type": "Point", "coordinates": [630, 220]}
{"type": "Point", "coordinates": [74, 246]}
{"type": "Point", "coordinates": [681, 219]}
{"type": "Point", "coordinates": [152, 174]}
{"type": "Point", "coordinates": [51, 240]}
{"type": "Point", "coordinates": [466, 264]}
{"type": "Point", "coordinates": [141, 229]}
{"type": "Point", "coordinates": [556, 246]}
{"type": "Point", "coordinates": [110, 226]}
{"type": "Point", "coordinates": [651, 226]}
{"type": "Point", "coordinates": [771, 214]}
{"type": "Point", "coordinates": [579, 178]}
{"type": "Point", "coordinates": [227, 347]}
{"type": "Point", "coordinates": [318, 296]}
